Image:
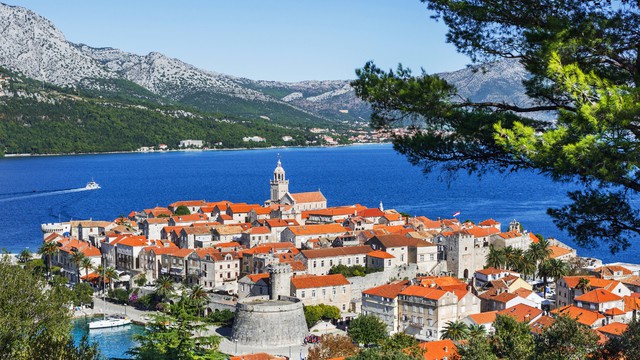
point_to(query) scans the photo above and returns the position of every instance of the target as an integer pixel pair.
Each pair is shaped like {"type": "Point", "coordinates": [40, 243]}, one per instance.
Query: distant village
{"type": "Point", "coordinates": [416, 274]}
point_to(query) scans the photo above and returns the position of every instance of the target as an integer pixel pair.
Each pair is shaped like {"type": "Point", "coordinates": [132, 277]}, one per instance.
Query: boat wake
{"type": "Point", "coordinates": [44, 193]}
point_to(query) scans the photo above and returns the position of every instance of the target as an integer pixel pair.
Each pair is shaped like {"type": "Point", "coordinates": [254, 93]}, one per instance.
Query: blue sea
{"type": "Point", "coordinates": [35, 190]}
{"type": "Point", "coordinates": [113, 342]}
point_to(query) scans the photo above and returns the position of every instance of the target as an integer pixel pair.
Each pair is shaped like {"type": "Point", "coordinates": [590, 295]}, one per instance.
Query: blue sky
{"type": "Point", "coordinates": [286, 40]}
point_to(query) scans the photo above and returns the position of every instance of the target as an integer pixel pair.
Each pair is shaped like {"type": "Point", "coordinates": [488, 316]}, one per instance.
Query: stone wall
{"type": "Point", "coordinates": [257, 317]}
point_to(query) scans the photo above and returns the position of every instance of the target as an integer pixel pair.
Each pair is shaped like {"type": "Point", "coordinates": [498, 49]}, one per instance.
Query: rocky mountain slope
{"type": "Point", "coordinates": [33, 46]}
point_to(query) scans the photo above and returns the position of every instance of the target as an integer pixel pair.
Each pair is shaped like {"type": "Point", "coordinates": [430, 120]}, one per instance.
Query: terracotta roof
{"type": "Point", "coordinates": [484, 317]}
{"type": "Point", "coordinates": [522, 292]}
{"type": "Point", "coordinates": [163, 250]}
{"type": "Point", "coordinates": [631, 303]}
{"type": "Point", "coordinates": [594, 282]}
{"type": "Point", "coordinates": [257, 277]}
{"type": "Point", "coordinates": [372, 212]}
{"type": "Point", "coordinates": [428, 223]}
{"type": "Point", "coordinates": [262, 210]}
{"type": "Point", "coordinates": [260, 230]}
{"type": "Point", "coordinates": [392, 216]}
{"type": "Point", "coordinates": [339, 251]}
{"type": "Point", "coordinates": [614, 328]}
{"type": "Point", "coordinates": [389, 291]}
{"type": "Point", "coordinates": [381, 255]}
{"type": "Point", "coordinates": [510, 234]}
{"type": "Point", "coordinates": [439, 349]}
{"type": "Point", "coordinates": [534, 238]}
{"type": "Point", "coordinates": [308, 197]}
{"type": "Point", "coordinates": [188, 203]}
{"type": "Point", "coordinates": [134, 241]}
{"type": "Point", "coordinates": [228, 244]}
{"type": "Point", "coordinates": [631, 280]}
{"type": "Point", "coordinates": [334, 211]}
{"type": "Point", "coordinates": [393, 240]}
{"type": "Point", "coordinates": [481, 232]}
{"type": "Point", "coordinates": [557, 251]}
{"type": "Point", "coordinates": [243, 208]}
{"type": "Point", "coordinates": [318, 229]}
{"type": "Point", "coordinates": [188, 218]}
{"type": "Point", "coordinates": [257, 356]}
{"type": "Point", "coordinates": [488, 222]}
{"type": "Point", "coordinates": [610, 270]}
{"type": "Point", "coordinates": [491, 271]}
{"type": "Point", "coordinates": [598, 296]}
{"type": "Point", "coordinates": [614, 311]}
{"type": "Point", "coordinates": [281, 223]}
{"type": "Point", "coordinates": [197, 230]}
{"type": "Point", "coordinates": [181, 253]}
{"type": "Point", "coordinates": [202, 252]}
{"type": "Point", "coordinates": [541, 324]}
{"type": "Point", "coordinates": [228, 229]}
{"type": "Point", "coordinates": [583, 316]}
{"type": "Point", "coordinates": [442, 282]}
{"type": "Point", "coordinates": [296, 265]}
{"type": "Point", "coordinates": [317, 281]}
{"type": "Point", "coordinates": [423, 292]}
{"type": "Point", "coordinates": [521, 312]}
{"type": "Point", "coordinates": [157, 220]}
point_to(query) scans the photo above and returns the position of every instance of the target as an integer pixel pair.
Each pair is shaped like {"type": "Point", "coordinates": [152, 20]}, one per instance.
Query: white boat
{"type": "Point", "coordinates": [92, 185]}
{"type": "Point", "coordinates": [109, 322]}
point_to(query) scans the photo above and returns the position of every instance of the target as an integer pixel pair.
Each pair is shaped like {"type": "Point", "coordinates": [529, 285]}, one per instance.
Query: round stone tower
{"type": "Point", "coordinates": [269, 323]}
{"type": "Point", "coordinates": [280, 276]}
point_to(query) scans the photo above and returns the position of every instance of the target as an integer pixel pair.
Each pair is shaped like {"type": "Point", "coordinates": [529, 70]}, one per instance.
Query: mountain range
{"type": "Point", "coordinates": [33, 47]}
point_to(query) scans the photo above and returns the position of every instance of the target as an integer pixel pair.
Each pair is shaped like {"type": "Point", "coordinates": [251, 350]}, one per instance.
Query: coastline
{"type": "Point", "coordinates": [26, 155]}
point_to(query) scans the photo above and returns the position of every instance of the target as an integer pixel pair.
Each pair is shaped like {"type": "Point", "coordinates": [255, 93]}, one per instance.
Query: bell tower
{"type": "Point", "coordinates": [279, 184]}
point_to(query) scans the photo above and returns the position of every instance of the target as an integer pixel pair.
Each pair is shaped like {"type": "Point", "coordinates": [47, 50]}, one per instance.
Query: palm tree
{"type": "Point", "coordinates": [455, 330]}
{"type": "Point", "coordinates": [198, 296]}
{"type": "Point", "coordinates": [539, 251]}
{"type": "Point", "coordinates": [77, 257]}
{"type": "Point", "coordinates": [552, 268]}
{"type": "Point", "coordinates": [111, 275]}
{"type": "Point", "coordinates": [25, 256]}
{"type": "Point", "coordinates": [164, 287]}
{"type": "Point", "coordinates": [495, 257]}
{"type": "Point", "coordinates": [584, 285]}
{"type": "Point", "coordinates": [513, 257]}
{"type": "Point", "coordinates": [527, 266]}
{"type": "Point", "coordinates": [476, 330]}
{"type": "Point", "coordinates": [49, 249]}
{"type": "Point", "coordinates": [86, 264]}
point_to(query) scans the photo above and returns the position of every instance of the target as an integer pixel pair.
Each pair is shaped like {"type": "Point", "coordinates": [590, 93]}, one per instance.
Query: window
{"type": "Point", "coordinates": [422, 258]}
{"type": "Point", "coordinates": [302, 294]}
{"type": "Point", "coordinates": [357, 260]}
{"type": "Point", "coordinates": [344, 289]}
{"type": "Point", "coordinates": [349, 261]}
{"type": "Point", "coordinates": [344, 307]}
{"type": "Point", "coordinates": [430, 311]}
{"type": "Point", "coordinates": [314, 263]}
{"type": "Point", "coordinates": [334, 291]}
{"type": "Point", "coordinates": [330, 262]}
{"type": "Point", "coordinates": [431, 257]}
{"type": "Point", "coordinates": [324, 292]}
{"type": "Point", "coordinates": [322, 263]}
{"type": "Point", "coordinates": [313, 293]}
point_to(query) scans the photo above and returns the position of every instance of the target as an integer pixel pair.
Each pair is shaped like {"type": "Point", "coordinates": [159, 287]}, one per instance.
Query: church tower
{"type": "Point", "coordinates": [279, 185]}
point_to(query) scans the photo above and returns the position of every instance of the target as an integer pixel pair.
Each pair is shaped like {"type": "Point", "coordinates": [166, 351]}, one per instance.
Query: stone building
{"type": "Point", "coordinates": [322, 289]}
{"type": "Point", "coordinates": [382, 302]}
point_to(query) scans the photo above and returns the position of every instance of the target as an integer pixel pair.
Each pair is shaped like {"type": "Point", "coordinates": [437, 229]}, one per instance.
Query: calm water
{"type": "Point", "coordinates": [346, 175]}
{"type": "Point", "coordinates": [113, 343]}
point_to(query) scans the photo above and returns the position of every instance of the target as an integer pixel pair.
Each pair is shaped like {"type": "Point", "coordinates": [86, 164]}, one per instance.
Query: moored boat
{"type": "Point", "coordinates": [109, 322]}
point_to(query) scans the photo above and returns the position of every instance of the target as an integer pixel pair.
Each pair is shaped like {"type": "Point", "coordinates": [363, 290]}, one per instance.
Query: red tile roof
{"type": "Point", "coordinates": [557, 251]}
{"type": "Point", "coordinates": [614, 328]}
{"type": "Point", "coordinates": [318, 229]}
{"type": "Point", "coordinates": [308, 197]}
{"type": "Point", "coordinates": [318, 281]}
{"type": "Point", "coordinates": [484, 317]}
{"type": "Point", "coordinates": [598, 296]}
{"type": "Point", "coordinates": [488, 222]}
{"type": "Point", "coordinates": [423, 292]}
{"type": "Point", "coordinates": [541, 324]}
{"type": "Point", "coordinates": [389, 291]}
{"type": "Point", "coordinates": [439, 349]}
{"type": "Point", "coordinates": [381, 255]}
{"type": "Point", "coordinates": [583, 316]}
{"type": "Point", "coordinates": [257, 277]}
{"type": "Point", "coordinates": [339, 251]}
{"type": "Point", "coordinates": [522, 312]}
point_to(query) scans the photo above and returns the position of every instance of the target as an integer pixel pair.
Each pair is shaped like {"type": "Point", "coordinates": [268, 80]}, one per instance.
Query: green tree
{"type": "Point", "coordinates": [49, 249]}
{"type": "Point", "coordinates": [539, 252]}
{"type": "Point", "coordinates": [477, 348]}
{"type": "Point", "coordinates": [584, 285]}
{"type": "Point", "coordinates": [625, 346]}
{"type": "Point", "coordinates": [86, 264]}
{"type": "Point", "coordinates": [164, 288]}
{"type": "Point", "coordinates": [398, 341]}
{"type": "Point", "coordinates": [583, 60]}
{"type": "Point", "coordinates": [315, 313]}
{"type": "Point", "coordinates": [332, 346]}
{"type": "Point", "coordinates": [111, 275]}
{"type": "Point", "coordinates": [182, 210]}
{"type": "Point", "coordinates": [83, 294]}
{"type": "Point", "coordinates": [367, 329]}
{"type": "Point", "coordinates": [199, 296]}
{"type": "Point", "coordinates": [455, 330]}
{"type": "Point", "coordinates": [77, 258]}
{"type": "Point", "coordinates": [552, 268]}
{"type": "Point", "coordinates": [35, 320]}
{"type": "Point", "coordinates": [176, 335]}
{"type": "Point", "coordinates": [141, 280]}
{"type": "Point", "coordinates": [566, 339]}
{"type": "Point", "coordinates": [512, 339]}
{"type": "Point", "coordinates": [496, 257]}
{"type": "Point", "coordinates": [25, 256]}
{"type": "Point", "coordinates": [476, 330]}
